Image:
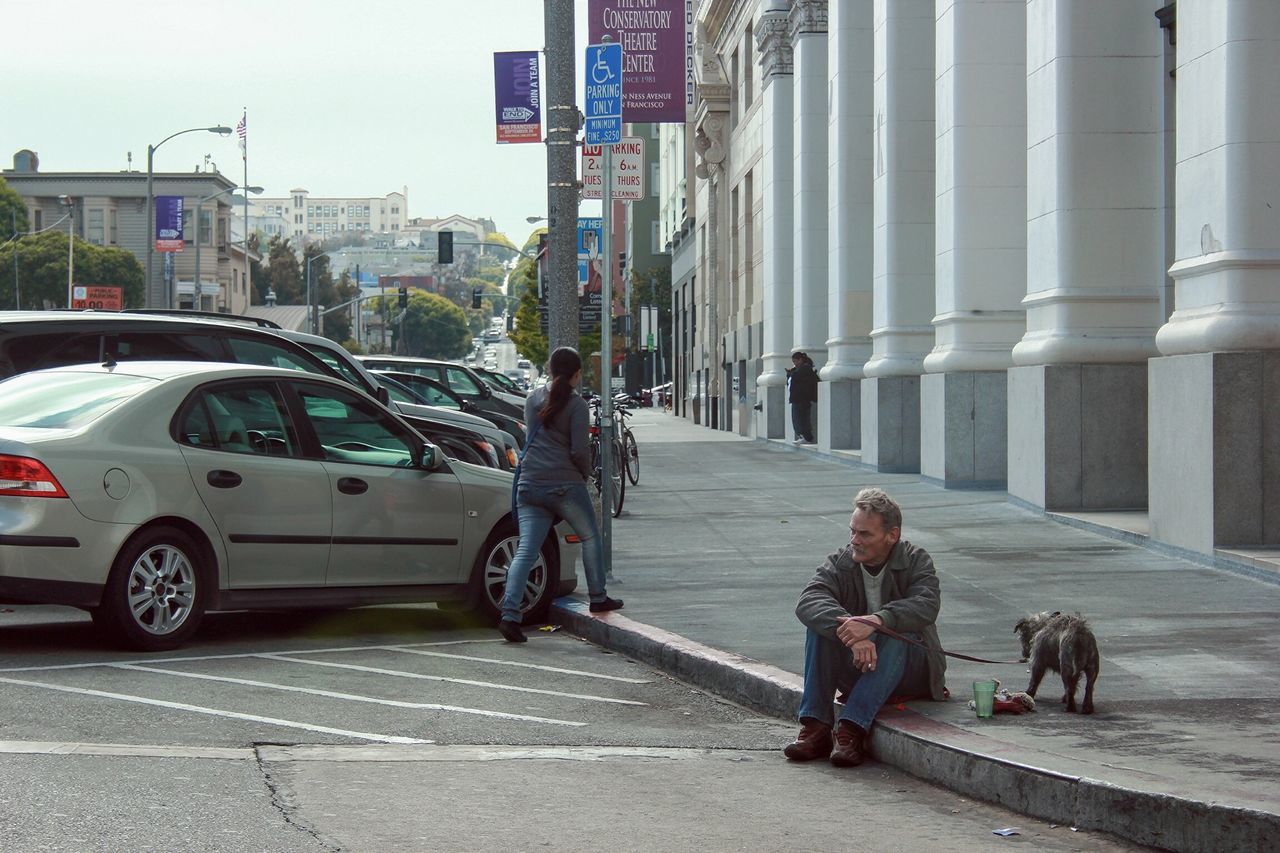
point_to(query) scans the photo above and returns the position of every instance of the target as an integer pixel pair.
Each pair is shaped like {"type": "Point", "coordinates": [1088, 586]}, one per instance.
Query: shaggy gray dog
{"type": "Point", "coordinates": [1064, 644]}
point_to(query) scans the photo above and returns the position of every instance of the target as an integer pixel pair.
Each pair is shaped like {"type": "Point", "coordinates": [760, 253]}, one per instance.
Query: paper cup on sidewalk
{"type": "Point", "coordinates": [984, 696]}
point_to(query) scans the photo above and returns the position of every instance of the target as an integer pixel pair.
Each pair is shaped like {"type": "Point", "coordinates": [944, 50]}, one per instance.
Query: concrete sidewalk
{"type": "Point", "coordinates": [1183, 752]}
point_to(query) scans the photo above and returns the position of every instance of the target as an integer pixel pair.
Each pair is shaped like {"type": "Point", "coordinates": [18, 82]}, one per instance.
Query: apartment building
{"type": "Point", "coordinates": [309, 217]}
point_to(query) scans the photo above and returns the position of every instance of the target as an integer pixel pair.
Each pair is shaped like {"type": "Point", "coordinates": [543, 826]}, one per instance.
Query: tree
{"type": "Point", "coordinates": [13, 213]}
{"type": "Point", "coordinates": [283, 274]}
{"type": "Point", "coordinates": [42, 270]}
{"type": "Point", "coordinates": [434, 327]}
{"type": "Point", "coordinates": [337, 326]}
{"type": "Point", "coordinates": [499, 238]}
{"type": "Point", "coordinates": [527, 335]}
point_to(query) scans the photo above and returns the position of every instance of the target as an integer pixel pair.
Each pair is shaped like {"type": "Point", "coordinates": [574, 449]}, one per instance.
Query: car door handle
{"type": "Point", "coordinates": [221, 479]}
{"type": "Point", "coordinates": [352, 486]}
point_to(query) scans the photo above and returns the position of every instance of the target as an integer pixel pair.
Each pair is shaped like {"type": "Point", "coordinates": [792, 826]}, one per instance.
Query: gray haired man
{"type": "Point", "coordinates": [883, 577]}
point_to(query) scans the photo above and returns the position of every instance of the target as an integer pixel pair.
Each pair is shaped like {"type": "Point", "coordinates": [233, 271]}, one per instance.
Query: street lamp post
{"type": "Point", "coordinates": [71, 245]}
{"type": "Point", "coordinates": [311, 317]}
{"type": "Point", "coordinates": [151, 225]}
{"type": "Point", "coordinates": [196, 292]}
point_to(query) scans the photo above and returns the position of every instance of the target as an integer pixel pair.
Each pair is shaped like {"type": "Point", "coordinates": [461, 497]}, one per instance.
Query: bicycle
{"type": "Point", "coordinates": [616, 475]}
{"type": "Point", "coordinates": [630, 450]}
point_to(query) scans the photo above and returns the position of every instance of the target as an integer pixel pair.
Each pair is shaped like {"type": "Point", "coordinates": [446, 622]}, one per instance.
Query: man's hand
{"type": "Point", "coordinates": [864, 655]}
{"type": "Point", "coordinates": [850, 631]}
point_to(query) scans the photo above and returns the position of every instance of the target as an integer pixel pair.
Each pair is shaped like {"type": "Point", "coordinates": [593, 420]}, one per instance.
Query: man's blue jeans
{"type": "Point", "coordinates": [538, 504]}
{"type": "Point", "coordinates": [901, 669]}
{"type": "Point", "coordinates": [802, 420]}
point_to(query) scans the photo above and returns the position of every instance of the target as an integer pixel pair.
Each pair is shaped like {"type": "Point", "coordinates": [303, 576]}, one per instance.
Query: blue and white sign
{"type": "Point", "coordinates": [603, 71]}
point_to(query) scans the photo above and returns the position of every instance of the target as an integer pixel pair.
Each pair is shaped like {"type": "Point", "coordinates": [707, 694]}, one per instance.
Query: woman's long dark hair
{"type": "Point", "coordinates": [565, 362]}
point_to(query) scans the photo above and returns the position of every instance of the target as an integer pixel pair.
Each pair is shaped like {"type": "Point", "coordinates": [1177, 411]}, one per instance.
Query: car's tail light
{"type": "Point", "coordinates": [593, 431]}
{"type": "Point", "coordinates": [28, 478]}
{"type": "Point", "coordinates": [486, 449]}
{"type": "Point", "coordinates": [572, 539]}
{"type": "Point", "coordinates": [512, 457]}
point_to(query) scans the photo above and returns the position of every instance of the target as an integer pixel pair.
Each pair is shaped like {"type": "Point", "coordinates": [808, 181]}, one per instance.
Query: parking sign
{"type": "Point", "coordinates": [603, 70]}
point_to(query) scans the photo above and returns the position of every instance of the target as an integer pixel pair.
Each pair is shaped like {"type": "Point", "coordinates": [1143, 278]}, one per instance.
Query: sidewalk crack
{"type": "Point", "coordinates": [283, 801]}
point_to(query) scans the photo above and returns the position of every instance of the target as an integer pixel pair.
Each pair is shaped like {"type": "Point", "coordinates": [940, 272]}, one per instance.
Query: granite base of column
{"type": "Point", "coordinates": [891, 423]}
{"type": "Point", "coordinates": [771, 419]}
{"type": "Point", "coordinates": [964, 421]}
{"type": "Point", "coordinates": [1214, 457]}
{"type": "Point", "coordinates": [839, 415]}
{"type": "Point", "coordinates": [1078, 436]}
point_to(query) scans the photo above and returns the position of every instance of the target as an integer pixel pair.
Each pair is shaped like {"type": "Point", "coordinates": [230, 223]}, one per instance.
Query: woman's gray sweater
{"type": "Point", "coordinates": [560, 452]}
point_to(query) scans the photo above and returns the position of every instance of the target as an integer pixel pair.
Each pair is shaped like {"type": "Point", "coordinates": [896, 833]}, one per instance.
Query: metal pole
{"type": "Point", "coordinates": [606, 366]}
{"type": "Point", "coordinates": [17, 292]}
{"type": "Point", "coordinates": [71, 248]}
{"type": "Point", "coordinates": [151, 230]}
{"type": "Point", "coordinates": [562, 185]}
{"type": "Point", "coordinates": [310, 316]}
{"type": "Point", "coordinates": [195, 297]}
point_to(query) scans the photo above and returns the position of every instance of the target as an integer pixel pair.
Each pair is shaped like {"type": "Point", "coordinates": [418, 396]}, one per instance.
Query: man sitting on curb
{"type": "Point", "coordinates": [892, 582]}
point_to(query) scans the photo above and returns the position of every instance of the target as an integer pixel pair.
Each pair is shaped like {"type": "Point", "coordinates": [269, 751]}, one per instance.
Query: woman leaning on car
{"type": "Point", "coordinates": [553, 482]}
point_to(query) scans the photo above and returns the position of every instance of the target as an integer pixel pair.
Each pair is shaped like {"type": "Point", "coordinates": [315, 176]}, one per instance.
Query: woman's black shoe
{"type": "Point", "coordinates": [606, 605]}
{"type": "Point", "coordinates": [511, 632]}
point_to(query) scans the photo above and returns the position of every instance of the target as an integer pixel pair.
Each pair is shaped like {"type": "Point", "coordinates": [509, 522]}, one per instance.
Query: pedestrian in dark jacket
{"type": "Point", "coordinates": [892, 583]}
{"type": "Point", "coordinates": [804, 393]}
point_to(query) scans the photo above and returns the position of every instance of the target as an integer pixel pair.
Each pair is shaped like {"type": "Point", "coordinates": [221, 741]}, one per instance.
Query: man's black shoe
{"type": "Point", "coordinates": [850, 746]}
{"type": "Point", "coordinates": [511, 632]}
{"type": "Point", "coordinates": [606, 605]}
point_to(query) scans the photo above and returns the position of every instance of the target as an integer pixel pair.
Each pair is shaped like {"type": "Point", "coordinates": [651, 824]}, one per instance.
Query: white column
{"type": "Point", "coordinates": [773, 40]}
{"type": "Point", "coordinates": [904, 256]}
{"type": "Point", "coordinates": [1077, 421]}
{"type": "Point", "coordinates": [981, 234]}
{"type": "Point", "coordinates": [1215, 397]}
{"type": "Point", "coordinates": [850, 47]}
{"type": "Point", "coordinates": [809, 42]}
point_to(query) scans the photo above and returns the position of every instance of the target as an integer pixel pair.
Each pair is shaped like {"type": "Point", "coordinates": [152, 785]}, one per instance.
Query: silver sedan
{"type": "Point", "coordinates": [151, 492]}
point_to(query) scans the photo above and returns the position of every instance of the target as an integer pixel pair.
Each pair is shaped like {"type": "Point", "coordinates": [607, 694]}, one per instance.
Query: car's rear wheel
{"type": "Point", "coordinates": [155, 595]}
{"type": "Point", "coordinates": [489, 577]}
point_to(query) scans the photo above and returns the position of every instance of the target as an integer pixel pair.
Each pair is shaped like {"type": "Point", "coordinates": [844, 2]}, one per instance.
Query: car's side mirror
{"type": "Point", "coordinates": [383, 395]}
{"type": "Point", "coordinates": [485, 392]}
{"type": "Point", "coordinates": [431, 458]}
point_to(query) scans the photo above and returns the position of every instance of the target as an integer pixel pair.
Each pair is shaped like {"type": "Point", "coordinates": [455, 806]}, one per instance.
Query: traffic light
{"type": "Point", "coordinates": [444, 248]}
{"type": "Point", "coordinates": [404, 298]}
{"type": "Point", "coordinates": [475, 297]}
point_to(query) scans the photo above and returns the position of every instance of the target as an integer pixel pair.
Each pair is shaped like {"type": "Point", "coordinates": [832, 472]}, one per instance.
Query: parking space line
{"type": "Point", "coordinates": [487, 684]}
{"type": "Point", "coordinates": [234, 656]}
{"type": "Point", "coordinates": [350, 697]}
{"type": "Point", "coordinates": [537, 666]}
{"type": "Point", "coordinates": [215, 712]}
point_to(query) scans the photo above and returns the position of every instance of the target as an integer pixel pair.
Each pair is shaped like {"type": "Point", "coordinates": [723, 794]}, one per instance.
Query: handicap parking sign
{"type": "Point", "coordinates": [603, 70]}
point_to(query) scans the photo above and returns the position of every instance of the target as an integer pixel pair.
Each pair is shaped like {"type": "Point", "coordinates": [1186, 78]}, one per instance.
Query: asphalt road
{"type": "Point", "coordinates": [408, 728]}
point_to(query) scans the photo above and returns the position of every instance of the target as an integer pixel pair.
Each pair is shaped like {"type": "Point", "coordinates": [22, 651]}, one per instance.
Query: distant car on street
{"type": "Point", "coordinates": [151, 492]}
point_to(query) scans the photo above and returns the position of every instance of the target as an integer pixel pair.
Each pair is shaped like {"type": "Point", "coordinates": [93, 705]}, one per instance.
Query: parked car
{"type": "Point", "coordinates": [151, 492]}
{"type": "Point", "coordinates": [436, 394]}
{"type": "Point", "coordinates": [462, 380]}
{"type": "Point", "coordinates": [339, 359]}
{"type": "Point", "coordinates": [33, 340]}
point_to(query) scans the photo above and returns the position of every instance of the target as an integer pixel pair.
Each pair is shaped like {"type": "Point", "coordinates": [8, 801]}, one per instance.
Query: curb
{"type": "Point", "coordinates": [914, 743]}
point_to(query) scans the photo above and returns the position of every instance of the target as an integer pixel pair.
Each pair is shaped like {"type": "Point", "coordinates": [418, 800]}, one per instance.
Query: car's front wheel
{"type": "Point", "coordinates": [155, 595]}
{"type": "Point", "coordinates": [489, 576]}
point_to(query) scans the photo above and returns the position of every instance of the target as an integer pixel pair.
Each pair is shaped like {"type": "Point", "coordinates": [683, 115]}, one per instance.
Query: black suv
{"type": "Point", "coordinates": [32, 340]}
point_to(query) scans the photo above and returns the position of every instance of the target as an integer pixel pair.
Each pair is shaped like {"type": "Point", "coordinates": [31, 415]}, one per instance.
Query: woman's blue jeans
{"type": "Point", "coordinates": [901, 669]}
{"type": "Point", "coordinates": [538, 505]}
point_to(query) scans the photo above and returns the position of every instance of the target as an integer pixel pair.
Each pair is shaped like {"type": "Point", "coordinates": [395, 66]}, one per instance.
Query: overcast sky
{"type": "Point", "coordinates": [344, 98]}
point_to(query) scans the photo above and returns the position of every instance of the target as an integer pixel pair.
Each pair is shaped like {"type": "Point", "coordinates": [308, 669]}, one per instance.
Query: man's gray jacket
{"type": "Point", "coordinates": [909, 599]}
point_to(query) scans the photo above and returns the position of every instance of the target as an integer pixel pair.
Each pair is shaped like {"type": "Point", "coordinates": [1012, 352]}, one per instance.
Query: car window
{"type": "Point", "coordinates": [345, 370]}
{"type": "Point", "coordinates": [57, 349]}
{"type": "Point", "coordinates": [352, 428]}
{"type": "Point", "coordinates": [461, 382]}
{"type": "Point", "coordinates": [242, 418]}
{"type": "Point", "coordinates": [66, 400]}
{"type": "Point", "coordinates": [268, 354]}
{"type": "Point", "coordinates": [436, 396]}
{"type": "Point", "coordinates": [399, 393]}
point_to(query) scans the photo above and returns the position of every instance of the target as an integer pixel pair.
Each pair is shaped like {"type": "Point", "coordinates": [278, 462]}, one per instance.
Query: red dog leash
{"type": "Point", "coordinates": [889, 632]}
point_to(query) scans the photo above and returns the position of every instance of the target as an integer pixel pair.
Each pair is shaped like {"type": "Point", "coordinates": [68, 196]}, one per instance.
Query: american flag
{"type": "Point", "coordinates": [242, 132]}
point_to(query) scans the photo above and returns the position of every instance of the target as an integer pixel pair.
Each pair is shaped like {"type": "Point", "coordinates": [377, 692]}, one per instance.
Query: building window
{"type": "Point", "coordinates": [748, 77]}
{"type": "Point", "coordinates": [206, 227]}
{"type": "Point", "coordinates": [37, 220]}
{"type": "Point", "coordinates": [395, 208]}
{"type": "Point", "coordinates": [655, 179]}
{"type": "Point", "coordinates": [655, 238]}
{"type": "Point", "coordinates": [733, 90]}
{"type": "Point", "coordinates": [111, 225]}
{"type": "Point", "coordinates": [94, 233]}
{"type": "Point", "coordinates": [187, 230]}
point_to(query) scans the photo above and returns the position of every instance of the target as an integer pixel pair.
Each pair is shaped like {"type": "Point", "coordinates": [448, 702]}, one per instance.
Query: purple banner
{"type": "Point", "coordinates": [657, 48]}
{"type": "Point", "coordinates": [518, 103]}
{"type": "Point", "coordinates": [168, 234]}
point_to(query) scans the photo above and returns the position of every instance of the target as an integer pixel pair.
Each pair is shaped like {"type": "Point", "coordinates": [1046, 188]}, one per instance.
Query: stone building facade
{"type": "Point", "coordinates": [1030, 244]}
